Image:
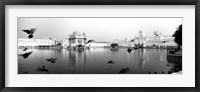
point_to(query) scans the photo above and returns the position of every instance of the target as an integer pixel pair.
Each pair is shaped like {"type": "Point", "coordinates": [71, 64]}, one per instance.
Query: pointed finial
{"type": "Point", "coordinates": [141, 30]}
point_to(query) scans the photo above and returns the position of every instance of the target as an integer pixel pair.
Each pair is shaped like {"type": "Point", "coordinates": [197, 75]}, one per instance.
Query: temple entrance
{"type": "Point", "coordinates": [80, 47]}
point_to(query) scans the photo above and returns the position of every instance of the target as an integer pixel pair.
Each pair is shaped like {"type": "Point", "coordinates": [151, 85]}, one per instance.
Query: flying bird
{"type": "Point", "coordinates": [90, 41]}
{"type": "Point", "coordinates": [25, 48]}
{"type": "Point", "coordinates": [156, 33]}
{"type": "Point", "coordinates": [110, 62]}
{"type": "Point", "coordinates": [52, 60]}
{"type": "Point", "coordinates": [26, 55]}
{"type": "Point", "coordinates": [132, 40]}
{"type": "Point", "coordinates": [164, 41]}
{"type": "Point", "coordinates": [29, 32]}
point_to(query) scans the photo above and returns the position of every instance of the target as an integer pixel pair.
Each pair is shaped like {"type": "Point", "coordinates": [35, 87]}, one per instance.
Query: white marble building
{"type": "Point", "coordinates": [161, 40]}
{"type": "Point", "coordinates": [65, 43]}
{"type": "Point", "coordinates": [98, 44]}
{"type": "Point", "coordinates": [77, 39]}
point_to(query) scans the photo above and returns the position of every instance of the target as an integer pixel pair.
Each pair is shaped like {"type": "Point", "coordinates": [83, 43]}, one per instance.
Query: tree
{"type": "Point", "coordinates": [113, 45]}
{"type": "Point", "coordinates": [178, 36]}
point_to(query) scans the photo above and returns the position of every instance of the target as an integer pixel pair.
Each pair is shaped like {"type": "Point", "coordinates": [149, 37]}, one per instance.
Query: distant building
{"type": "Point", "coordinates": [98, 44]}
{"type": "Point", "coordinates": [77, 39]}
{"type": "Point", "coordinates": [124, 43]}
{"type": "Point", "coordinates": [166, 40]}
{"type": "Point", "coordinates": [140, 38]}
{"type": "Point", "coordinates": [65, 43]}
{"type": "Point", "coordinates": [161, 40]}
{"type": "Point", "coordinates": [36, 42]}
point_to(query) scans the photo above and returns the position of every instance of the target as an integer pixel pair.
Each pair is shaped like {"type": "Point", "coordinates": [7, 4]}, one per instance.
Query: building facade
{"type": "Point", "coordinates": [161, 40]}
{"type": "Point", "coordinates": [65, 43]}
{"type": "Point", "coordinates": [77, 39]}
{"type": "Point", "coordinates": [141, 38]}
{"type": "Point", "coordinates": [166, 40]}
{"type": "Point", "coordinates": [98, 44]}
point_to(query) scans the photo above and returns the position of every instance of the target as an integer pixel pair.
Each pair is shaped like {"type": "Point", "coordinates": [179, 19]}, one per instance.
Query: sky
{"type": "Point", "coordinates": [99, 29]}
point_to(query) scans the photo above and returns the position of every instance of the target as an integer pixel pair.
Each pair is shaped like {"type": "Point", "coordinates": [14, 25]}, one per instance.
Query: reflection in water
{"type": "Point", "coordinates": [72, 58]}
{"type": "Point", "coordinates": [143, 58]}
{"type": "Point", "coordinates": [95, 61]}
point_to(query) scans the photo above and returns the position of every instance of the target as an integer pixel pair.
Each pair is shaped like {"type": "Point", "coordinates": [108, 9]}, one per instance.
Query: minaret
{"type": "Point", "coordinates": [143, 36]}
{"type": "Point", "coordinates": [141, 30]}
